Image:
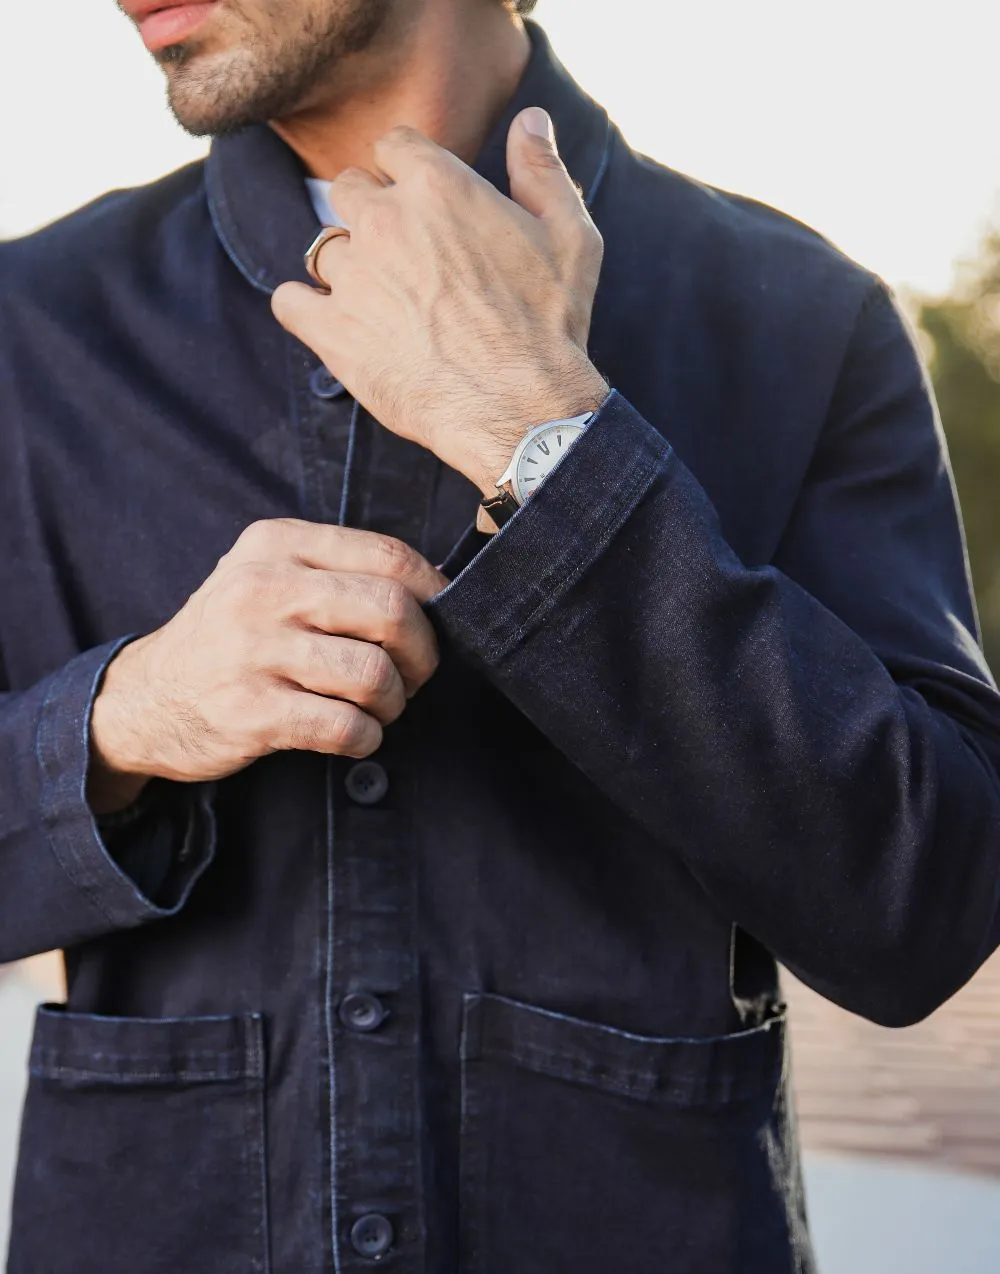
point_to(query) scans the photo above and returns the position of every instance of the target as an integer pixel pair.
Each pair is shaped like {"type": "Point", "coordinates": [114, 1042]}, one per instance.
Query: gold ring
{"type": "Point", "coordinates": [312, 253]}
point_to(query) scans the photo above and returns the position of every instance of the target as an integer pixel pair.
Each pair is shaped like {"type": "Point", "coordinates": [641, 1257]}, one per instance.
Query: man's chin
{"type": "Point", "coordinates": [210, 119]}
{"type": "Point", "coordinates": [234, 77]}
{"type": "Point", "coordinates": [208, 92]}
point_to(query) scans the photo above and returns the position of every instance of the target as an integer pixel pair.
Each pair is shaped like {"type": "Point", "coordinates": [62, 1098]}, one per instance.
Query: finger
{"type": "Point", "coordinates": [370, 608]}
{"type": "Point", "coordinates": [329, 261]}
{"type": "Point", "coordinates": [539, 181]}
{"type": "Point", "coordinates": [402, 150]}
{"type": "Point", "coordinates": [340, 548]}
{"type": "Point", "coordinates": [304, 311]}
{"type": "Point", "coordinates": [351, 191]}
{"type": "Point", "coordinates": [343, 668]}
{"type": "Point", "coordinates": [310, 723]}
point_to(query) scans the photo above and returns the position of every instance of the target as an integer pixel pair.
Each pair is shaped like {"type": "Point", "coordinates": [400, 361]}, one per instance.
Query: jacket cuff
{"type": "Point", "coordinates": [521, 574]}
{"type": "Point", "coordinates": [81, 844]}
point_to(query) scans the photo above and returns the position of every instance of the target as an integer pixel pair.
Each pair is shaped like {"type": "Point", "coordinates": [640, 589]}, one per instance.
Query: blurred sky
{"type": "Point", "coordinates": [876, 121]}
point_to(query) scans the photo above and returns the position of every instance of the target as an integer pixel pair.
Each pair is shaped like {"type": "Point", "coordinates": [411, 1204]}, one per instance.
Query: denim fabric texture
{"type": "Point", "coordinates": [507, 1004]}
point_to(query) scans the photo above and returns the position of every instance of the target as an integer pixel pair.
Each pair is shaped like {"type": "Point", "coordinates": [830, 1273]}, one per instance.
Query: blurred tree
{"type": "Point", "coordinates": [964, 334]}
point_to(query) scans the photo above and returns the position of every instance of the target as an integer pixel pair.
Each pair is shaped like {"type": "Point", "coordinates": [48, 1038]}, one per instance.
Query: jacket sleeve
{"type": "Point", "coordinates": [59, 884]}
{"type": "Point", "coordinates": [817, 738]}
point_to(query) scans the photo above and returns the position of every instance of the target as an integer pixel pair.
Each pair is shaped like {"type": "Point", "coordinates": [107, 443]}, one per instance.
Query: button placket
{"type": "Point", "coordinates": [322, 413]}
{"type": "Point", "coordinates": [377, 1067]}
{"type": "Point", "coordinates": [377, 1014]}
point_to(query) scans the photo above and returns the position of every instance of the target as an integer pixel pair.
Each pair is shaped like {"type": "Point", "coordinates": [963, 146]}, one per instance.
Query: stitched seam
{"type": "Point", "coordinates": [472, 1221]}
{"type": "Point", "coordinates": [140, 1059]}
{"type": "Point", "coordinates": [508, 1009]}
{"type": "Point", "coordinates": [646, 1085]}
{"type": "Point", "coordinates": [125, 1077]}
{"type": "Point", "coordinates": [229, 243]}
{"type": "Point", "coordinates": [58, 1013]}
{"type": "Point", "coordinates": [265, 1194]}
{"type": "Point", "coordinates": [352, 438]}
{"type": "Point", "coordinates": [298, 429]}
{"type": "Point", "coordinates": [253, 1141]}
{"type": "Point", "coordinates": [244, 1152]}
{"type": "Point", "coordinates": [328, 1007]}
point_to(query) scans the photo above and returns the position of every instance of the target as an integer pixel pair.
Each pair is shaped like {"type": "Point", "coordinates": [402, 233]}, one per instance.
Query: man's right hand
{"type": "Point", "coordinates": [304, 636]}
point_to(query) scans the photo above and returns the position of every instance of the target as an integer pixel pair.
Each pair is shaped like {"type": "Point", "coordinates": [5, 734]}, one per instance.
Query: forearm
{"type": "Point", "coordinates": [847, 821]}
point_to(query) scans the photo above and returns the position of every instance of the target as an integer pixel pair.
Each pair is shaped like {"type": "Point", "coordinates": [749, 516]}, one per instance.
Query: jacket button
{"type": "Point", "coordinates": [362, 1012]}
{"type": "Point", "coordinates": [366, 783]}
{"type": "Point", "coordinates": [371, 1235]}
{"type": "Point", "coordinates": [324, 384]}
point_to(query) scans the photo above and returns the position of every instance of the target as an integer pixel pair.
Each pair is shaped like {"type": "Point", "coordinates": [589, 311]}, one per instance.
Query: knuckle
{"type": "Point", "coordinates": [375, 673]}
{"type": "Point", "coordinates": [347, 177]}
{"type": "Point", "coordinates": [350, 732]}
{"type": "Point", "coordinates": [436, 182]}
{"type": "Point", "coordinates": [594, 244]}
{"type": "Point", "coordinates": [262, 716]}
{"type": "Point", "coordinates": [264, 537]}
{"type": "Point", "coordinates": [584, 236]}
{"type": "Point", "coordinates": [395, 558]}
{"type": "Point", "coordinates": [423, 182]}
{"type": "Point", "coordinates": [590, 235]}
{"type": "Point", "coordinates": [428, 667]}
{"type": "Point", "coordinates": [256, 536]}
{"type": "Point", "coordinates": [403, 135]}
{"type": "Point", "coordinates": [395, 603]}
{"type": "Point", "coordinates": [375, 220]}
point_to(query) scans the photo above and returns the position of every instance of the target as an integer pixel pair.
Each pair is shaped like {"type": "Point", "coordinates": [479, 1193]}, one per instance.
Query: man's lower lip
{"type": "Point", "coordinates": [170, 26]}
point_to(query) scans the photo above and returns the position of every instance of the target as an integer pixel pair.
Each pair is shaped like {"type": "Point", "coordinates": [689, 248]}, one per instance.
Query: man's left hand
{"type": "Point", "coordinates": [457, 317]}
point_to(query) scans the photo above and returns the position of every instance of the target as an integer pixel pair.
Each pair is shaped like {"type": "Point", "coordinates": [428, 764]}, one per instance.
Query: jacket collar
{"type": "Point", "coordinates": [260, 207]}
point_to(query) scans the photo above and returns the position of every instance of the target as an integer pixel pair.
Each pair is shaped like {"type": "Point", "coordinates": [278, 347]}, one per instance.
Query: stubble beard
{"type": "Point", "coordinates": [272, 73]}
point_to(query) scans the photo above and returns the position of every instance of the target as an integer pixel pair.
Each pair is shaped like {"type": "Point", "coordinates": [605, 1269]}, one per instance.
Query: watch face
{"type": "Point", "coordinates": [541, 455]}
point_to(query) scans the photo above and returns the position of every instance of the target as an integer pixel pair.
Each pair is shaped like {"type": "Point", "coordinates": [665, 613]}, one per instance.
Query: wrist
{"type": "Point", "coordinates": [109, 792]}
{"type": "Point", "coordinates": [117, 773]}
{"type": "Point", "coordinates": [560, 396]}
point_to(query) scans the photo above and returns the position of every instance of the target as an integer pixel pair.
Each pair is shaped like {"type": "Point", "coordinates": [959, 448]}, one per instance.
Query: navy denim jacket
{"type": "Point", "coordinates": [503, 1001]}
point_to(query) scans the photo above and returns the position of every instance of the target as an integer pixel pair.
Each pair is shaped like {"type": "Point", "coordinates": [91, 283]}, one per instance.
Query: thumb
{"type": "Point", "coordinates": [539, 181]}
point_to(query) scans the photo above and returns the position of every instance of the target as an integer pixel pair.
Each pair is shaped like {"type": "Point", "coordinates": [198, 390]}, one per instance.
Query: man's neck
{"type": "Point", "coordinates": [449, 73]}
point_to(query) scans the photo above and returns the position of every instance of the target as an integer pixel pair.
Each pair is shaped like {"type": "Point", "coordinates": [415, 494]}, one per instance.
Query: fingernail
{"type": "Point", "coordinates": [538, 124]}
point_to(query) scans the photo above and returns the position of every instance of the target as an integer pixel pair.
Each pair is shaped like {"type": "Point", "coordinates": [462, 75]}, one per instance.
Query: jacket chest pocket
{"type": "Point", "coordinates": [587, 1150]}
{"type": "Point", "coordinates": [142, 1147]}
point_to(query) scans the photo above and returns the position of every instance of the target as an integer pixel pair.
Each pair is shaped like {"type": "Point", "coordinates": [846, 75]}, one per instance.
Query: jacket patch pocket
{"type": "Point", "coordinates": [587, 1149]}
{"type": "Point", "coordinates": [142, 1147]}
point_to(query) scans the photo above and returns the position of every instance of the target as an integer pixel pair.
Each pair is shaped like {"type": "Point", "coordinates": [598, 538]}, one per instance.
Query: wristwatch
{"type": "Point", "coordinates": [535, 456]}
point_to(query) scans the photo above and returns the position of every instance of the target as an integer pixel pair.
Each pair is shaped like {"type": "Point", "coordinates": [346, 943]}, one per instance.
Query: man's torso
{"type": "Point", "coordinates": [564, 1059]}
